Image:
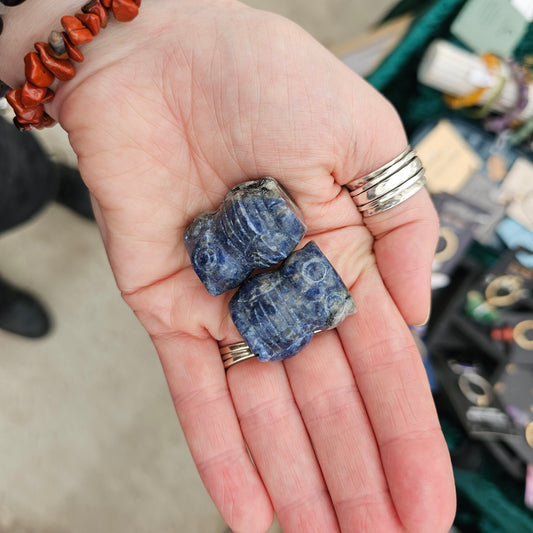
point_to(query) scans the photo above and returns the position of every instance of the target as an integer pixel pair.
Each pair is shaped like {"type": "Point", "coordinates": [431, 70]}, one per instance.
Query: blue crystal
{"type": "Point", "coordinates": [256, 226]}
{"type": "Point", "coordinates": [278, 312]}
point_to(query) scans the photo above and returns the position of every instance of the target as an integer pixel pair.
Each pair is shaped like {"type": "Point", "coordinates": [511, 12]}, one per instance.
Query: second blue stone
{"type": "Point", "coordinates": [278, 312]}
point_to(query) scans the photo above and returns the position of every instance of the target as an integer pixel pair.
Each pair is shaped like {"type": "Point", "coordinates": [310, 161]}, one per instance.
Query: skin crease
{"type": "Point", "coordinates": [166, 114]}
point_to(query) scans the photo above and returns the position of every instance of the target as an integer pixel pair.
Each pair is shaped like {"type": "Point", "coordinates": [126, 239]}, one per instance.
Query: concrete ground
{"type": "Point", "coordinates": [88, 438]}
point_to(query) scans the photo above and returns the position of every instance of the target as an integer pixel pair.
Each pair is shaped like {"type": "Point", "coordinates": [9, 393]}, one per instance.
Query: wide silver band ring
{"type": "Point", "coordinates": [235, 353]}
{"type": "Point", "coordinates": [395, 197]}
{"type": "Point", "coordinates": [359, 182]}
{"type": "Point", "coordinates": [389, 185]}
{"type": "Point", "coordinates": [372, 191]}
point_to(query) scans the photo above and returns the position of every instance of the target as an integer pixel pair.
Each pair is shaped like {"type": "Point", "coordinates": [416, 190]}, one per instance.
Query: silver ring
{"type": "Point", "coordinates": [372, 191]}
{"type": "Point", "coordinates": [389, 185]}
{"type": "Point", "coordinates": [395, 197]}
{"type": "Point", "coordinates": [235, 353]}
{"type": "Point", "coordinates": [359, 182]}
{"type": "Point", "coordinates": [240, 351]}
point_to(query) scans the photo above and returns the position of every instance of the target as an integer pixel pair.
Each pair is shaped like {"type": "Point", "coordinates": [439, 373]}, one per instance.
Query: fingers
{"type": "Point", "coordinates": [342, 436]}
{"type": "Point", "coordinates": [198, 387]}
{"type": "Point", "coordinates": [391, 379]}
{"type": "Point", "coordinates": [405, 242]}
{"type": "Point", "coordinates": [280, 446]}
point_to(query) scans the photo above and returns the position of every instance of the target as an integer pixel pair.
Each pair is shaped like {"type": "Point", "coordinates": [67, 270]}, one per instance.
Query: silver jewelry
{"type": "Point", "coordinates": [475, 388]}
{"type": "Point", "coordinates": [389, 185]}
{"type": "Point", "coordinates": [240, 351]}
{"type": "Point", "coordinates": [235, 353]}
{"type": "Point", "coordinates": [359, 182]}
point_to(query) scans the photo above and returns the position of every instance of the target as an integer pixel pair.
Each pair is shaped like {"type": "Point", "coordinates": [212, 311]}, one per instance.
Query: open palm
{"type": "Point", "coordinates": [344, 436]}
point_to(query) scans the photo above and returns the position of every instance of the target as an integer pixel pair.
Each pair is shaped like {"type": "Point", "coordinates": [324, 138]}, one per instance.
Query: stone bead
{"type": "Point", "coordinates": [62, 69]}
{"type": "Point", "coordinates": [278, 312]}
{"type": "Point", "coordinates": [25, 115]}
{"type": "Point", "coordinates": [72, 51]}
{"type": "Point", "coordinates": [97, 8]}
{"type": "Point", "coordinates": [36, 72]}
{"type": "Point", "coordinates": [57, 45]}
{"type": "Point", "coordinates": [45, 122]}
{"type": "Point", "coordinates": [31, 95]}
{"type": "Point", "coordinates": [21, 127]}
{"type": "Point", "coordinates": [77, 32]}
{"type": "Point", "coordinates": [256, 226]}
{"type": "Point", "coordinates": [91, 20]}
{"type": "Point", "coordinates": [125, 10]}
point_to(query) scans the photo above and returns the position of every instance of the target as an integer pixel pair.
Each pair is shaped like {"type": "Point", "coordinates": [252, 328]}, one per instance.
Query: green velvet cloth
{"type": "Point", "coordinates": [489, 500]}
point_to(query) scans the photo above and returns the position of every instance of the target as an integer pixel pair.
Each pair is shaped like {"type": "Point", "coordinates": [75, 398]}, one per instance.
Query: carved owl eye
{"type": "Point", "coordinates": [314, 271]}
{"type": "Point", "coordinates": [209, 257]}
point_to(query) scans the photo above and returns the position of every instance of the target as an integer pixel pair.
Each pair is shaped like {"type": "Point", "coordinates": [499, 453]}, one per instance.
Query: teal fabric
{"type": "Point", "coordinates": [498, 511]}
{"type": "Point", "coordinates": [488, 500]}
{"type": "Point", "coordinates": [526, 46]}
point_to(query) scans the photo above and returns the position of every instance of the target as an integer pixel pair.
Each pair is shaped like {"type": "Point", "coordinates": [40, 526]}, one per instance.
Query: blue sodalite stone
{"type": "Point", "coordinates": [278, 312]}
{"type": "Point", "coordinates": [256, 226]}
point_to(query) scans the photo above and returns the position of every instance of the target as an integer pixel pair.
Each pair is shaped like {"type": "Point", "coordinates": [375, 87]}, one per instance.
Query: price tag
{"type": "Point", "coordinates": [448, 159]}
{"type": "Point", "coordinates": [517, 192]}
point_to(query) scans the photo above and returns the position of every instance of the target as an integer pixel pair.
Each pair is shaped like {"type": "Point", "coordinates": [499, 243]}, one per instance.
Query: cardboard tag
{"type": "Point", "coordinates": [517, 192]}
{"type": "Point", "coordinates": [448, 159]}
{"type": "Point", "coordinates": [519, 180]}
{"type": "Point", "coordinates": [490, 26]}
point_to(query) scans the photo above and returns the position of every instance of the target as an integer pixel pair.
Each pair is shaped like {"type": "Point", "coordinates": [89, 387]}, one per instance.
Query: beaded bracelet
{"type": "Point", "coordinates": [53, 60]}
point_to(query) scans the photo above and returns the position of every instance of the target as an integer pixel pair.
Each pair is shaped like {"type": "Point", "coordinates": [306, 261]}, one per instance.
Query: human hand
{"type": "Point", "coordinates": [166, 115]}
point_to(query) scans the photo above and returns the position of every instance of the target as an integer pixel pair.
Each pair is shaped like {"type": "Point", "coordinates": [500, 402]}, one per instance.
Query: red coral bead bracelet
{"type": "Point", "coordinates": [53, 60]}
